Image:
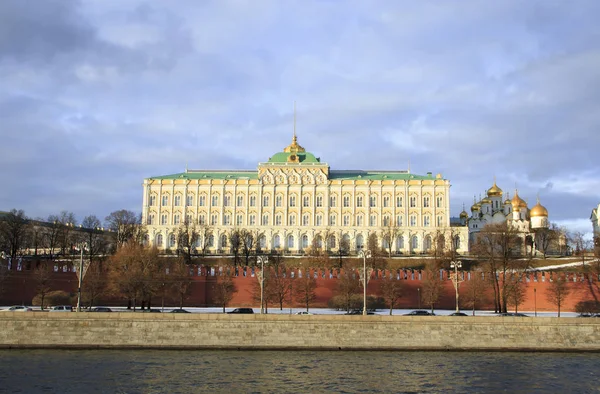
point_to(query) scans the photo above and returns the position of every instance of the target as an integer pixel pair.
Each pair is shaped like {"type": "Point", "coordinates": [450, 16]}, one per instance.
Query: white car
{"type": "Point", "coordinates": [18, 308]}
{"type": "Point", "coordinates": [303, 313]}
{"type": "Point", "coordinates": [62, 308]}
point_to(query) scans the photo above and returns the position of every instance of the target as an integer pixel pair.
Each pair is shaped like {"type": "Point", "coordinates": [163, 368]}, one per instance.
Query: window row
{"type": "Point", "coordinates": [346, 220]}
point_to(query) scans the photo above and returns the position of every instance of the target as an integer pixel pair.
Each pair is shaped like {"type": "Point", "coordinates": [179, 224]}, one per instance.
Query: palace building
{"type": "Point", "coordinates": [294, 200]}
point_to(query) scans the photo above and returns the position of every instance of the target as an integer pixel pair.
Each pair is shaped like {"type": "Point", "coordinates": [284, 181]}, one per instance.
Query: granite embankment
{"type": "Point", "coordinates": [214, 331]}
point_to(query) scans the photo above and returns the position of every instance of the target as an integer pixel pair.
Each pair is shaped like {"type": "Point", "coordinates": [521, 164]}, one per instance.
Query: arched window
{"type": "Point", "coordinates": [290, 242]}
{"type": "Point", "coordinates": [427, 243]}
{"type": "Point", "coordinates": [457, 242]}
{"type": "Point", "coordinates": [211, 241]}
{"type": "Point", "coordinates": [171, 240]}
{"type": "Point", "coordinates": [304, 241]}
{"type": "Point", "coordinates": [223, 241]}
{"type": "Point", "coordinates": [360, 242]}
{"type": "Point", "coordinates": [262, 241]}
{"type": "Point", "coordinates": [414, 242]}
{"type": "Point", "coordinates": [276, 242]}
{"type": "Point", "coordinates": [331, 242]}
{"type": "Point", "coordinates": [159, 240]}
{"type": "Point", "coordinates": [400, 243]}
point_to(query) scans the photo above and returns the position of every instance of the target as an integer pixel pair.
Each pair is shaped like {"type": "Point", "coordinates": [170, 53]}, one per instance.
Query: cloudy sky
{"type": "Point", "coordinates": [95, 96]}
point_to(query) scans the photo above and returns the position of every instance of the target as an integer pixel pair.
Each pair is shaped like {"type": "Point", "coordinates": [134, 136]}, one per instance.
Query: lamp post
{"type": "Point", "coordinates": [365, 254]}
{"type": "Point", "coordinates": [419, 297]}
{"type": "Point", "coordinates": [262, 260]}
{"type": "Point", "coordinates": [81, 247]}
{"type": "Point", "coordinates": [456, 265]}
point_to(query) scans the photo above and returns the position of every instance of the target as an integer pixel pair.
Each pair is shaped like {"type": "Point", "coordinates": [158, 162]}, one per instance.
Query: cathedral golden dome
{"type": "Point", "coordinates": [538, 210]}
{"type": "Point", "coordinates": [494, 191]}
{"type": "Point", "coordinates": [486, 201]}
{"type": "Point", "coordinates": [475, 207]}
{"type": "Point", "coordinates": [517, 202]}
{"type": "Point", "coordinates": [464, 214]}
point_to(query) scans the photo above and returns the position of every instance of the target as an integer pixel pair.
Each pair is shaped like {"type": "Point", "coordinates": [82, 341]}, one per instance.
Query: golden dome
{"type": "Point", "coordinates": [538, 210]}
{"type": "Point", "coordinates": [294, 147]}
{"type": "Point", "coordinates": [494, 191]}
{"type": "Point", "coordinates": [464, 214]}
{"type": "Point", "coordinates": [486, 201]}
{"type": "Point", "coordinates": [475, 207]}
{"type": "Point", "coordinates": [518, 202]}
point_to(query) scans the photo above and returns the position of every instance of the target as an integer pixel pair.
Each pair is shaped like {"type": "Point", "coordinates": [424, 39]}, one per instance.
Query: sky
{"type": "Point", "coordinates": [97, 95]}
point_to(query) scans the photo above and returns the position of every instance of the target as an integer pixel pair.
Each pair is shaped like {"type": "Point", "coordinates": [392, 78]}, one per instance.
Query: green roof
{"type": "Point", "coordinates": [251, 174]}
{"type": "Point", "coordinates": [377, 175]}
{"type": "Point", "coordinates": [303, 157]}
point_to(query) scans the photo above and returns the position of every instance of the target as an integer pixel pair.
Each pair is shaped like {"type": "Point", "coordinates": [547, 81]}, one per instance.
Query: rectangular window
{"type": "Point", "coordinates": [413, 202]}
{"type": "Point", "coordinates": [278, 220]}
{"type": "Point", "coordinates": [163, 220]}
{"type": "Point", "coordinates": [346, 201]}
{"type": "Point", "coordinates": [319, 201]}
{"type": "Point", "coordinates": [189, 200]}
{"type": "Point", "coordinates": [265, 201]}
{"type": "Point", "coordinates": [238, 220]}
{"type": "Point", "coordinates": [386, 201]}
{"type": "Point", "coordinates": [399, 202]}
{"type": "Point", "coordinates": [278, 201]}
{"type": "Point", "coordinates": [226, 220]}
{"type": "Point", "coordinates": [152, 200]}
{"type": "Point", "coordinates": [292, 201]}
{"type": "Point", "coordinates": [306, 201]}
{"type": "Point", "coordinates": [359, 201]}
{"type": "Point", "coordinates": [305, 220]}
{"type": "Point", "coordinates": [413, 221]}
{"type": "Point", "coordinates": [149, 219]}
{"type": "Point", "coordinates": [332, 201]}
{"type": "Point", "coordinates": [201, 220]}
{"type": "Point", "coordinates": [346, 220]}
{"type": "Point", "coordinates": [165, 201]}
{"type": "Point", "coordinates": [188, 219]}
{"type": "Point", "coordinates": [240, 201]}
{"type": "Point", "coordinates": [439, 201]}
{"type": "Point", "coordinates": [359, 220]}
{"type": "Point", "coordinates": [265, 220]}
{"type": "Point", "coordinates": [292, 220]}
{"type": "Point", "coordinates": [440, 220]}
{"type": "Point", "coordinates": [227, 201]}
{"type": "Point", "coordinates": [252, 201]}
{"type": "Point", "coordinates": [372, 201]}
{"type": "Point", "coordinates": [175, 219]}
{"type": "Point", "coordinates": [319, 220]}
{"type": "Point", "coordinates": [177, 201]}
{"type": "Point", "coordinates": [252, 220]}
{"type": "Point", "coordinates": [426, 221]}
{"type": "Point", "coordinates": [425, 202]}
{"type": "Point", "coordinates": [215, 201]}
{"type": "Point", "coordinates": [202, 201]}
{"type": "Point", "coordinates": [332, 220]}
{"type": "Point", "coordinates": [399, 221]}
{"type": "Point", "coordinates": [373, 220]}
{"type": "Point", "coordinates": [213, 220]}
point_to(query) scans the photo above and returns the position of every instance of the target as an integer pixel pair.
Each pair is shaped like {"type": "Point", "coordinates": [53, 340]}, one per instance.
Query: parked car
{"type": "Point", "coordinates": [358, 312]}
{"type": "Point", "coordinates": [512, 314]}
{"type": "Point", "coordinates": [61, 308]}
{"type": "Point", "coordinates": [100, 309]}
{"type": "Point", "coordinates": [303, 313]}
{"type": "Point", "coordinates": [18, 308]}
{"type": "Point", "coordinates": [242, 310]}
{"type": "Point", "coordinates": [419, 313]}
{"type": "Point", "coordinates": [458, 314]}
{"type": "Point", "coordinates": [180, 311]}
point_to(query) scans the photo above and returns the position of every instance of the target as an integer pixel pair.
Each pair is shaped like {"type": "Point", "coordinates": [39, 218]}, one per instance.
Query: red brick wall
{"type": "Point", "coordinates": [21, 286]}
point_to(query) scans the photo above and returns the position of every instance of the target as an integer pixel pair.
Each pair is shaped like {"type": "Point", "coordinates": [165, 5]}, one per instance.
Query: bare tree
{"type": "Point", "coordinates": [248, 243]}
{"type": "Point", "coordinates": [545, 237]}
{"type": "Point", "coordinates": [581, 245]}
{"type": "Point", "coordinates": [391, 290]}
{"type": "Point", "coordinates": [348, 284]}
{"type": "Point", "coordinates": [235, 243]}
{"type": "Point", "coordinates": [475, 292]}
{"type": "Point", "coordinates": [500, 246]}
{"type": "Point", "coordinates": [13, 232]}
{"type": "Point", "coordinates": [516, 289]}
{"type": "Point", "coordinates": [132, 272]}
{"type": "Point", "coordinates": [224, 289]}
{"type": "Point", "coordinates": [67, 222]}
{"type": "Point", "coordinates": [280, 285]}
{"type": "Point", "coordinates": [187, 237]}
{"type": "Point", "coordinates": [343, 247]}
{"type": "Point", "coordinates": [181, 280]}
{"type": "Point", "coordinates": [205, 232]}
{"type": "Point", "coordinates": [304, 290]}
{"type": "Point", "coordinates": [43, 279]}
{"type": "Point", "coordinates": [126, 226]}
{"type": "Point", "coordinates": [432, 285]}
{"type": "Point", "coordinates": [377, 253]}
{"type": "Point", "coordinates": [389, 234]}
{"type": "Point", "coordinates": [94, 283]}
{"type": "Point", "coordinates": [558, 291]}
{"type": "Point", "coordinates": [51, 234]}
{"type": "Point", "coordinates": [93, 236]}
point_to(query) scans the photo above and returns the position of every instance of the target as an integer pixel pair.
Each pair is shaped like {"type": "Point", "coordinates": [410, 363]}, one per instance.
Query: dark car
{"type": "Point", "coordinates": [419, 313]}
{"type": "Point", "coordinates": [458, 314]}
{"type": "Point", "coordinates": [512, 314]}
{"type": "Point", "coordinates": [180, 311]}
{"type": "Point", "coordinates": [358, 312]}
{"type": "Point", "coordinates": [100, 309]}
{"type": "Point", "coordinates": [242, 310]}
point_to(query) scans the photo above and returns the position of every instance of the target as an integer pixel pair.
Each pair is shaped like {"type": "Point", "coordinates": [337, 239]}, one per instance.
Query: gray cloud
{"type": "Point", "coordinates": [97, 96]}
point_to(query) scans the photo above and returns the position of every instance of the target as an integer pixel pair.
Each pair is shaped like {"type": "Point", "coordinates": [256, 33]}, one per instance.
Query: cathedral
{"type": "Point", "coordinates": [492, 210]}
{"type": "Point", "coordinates": [294, 200]}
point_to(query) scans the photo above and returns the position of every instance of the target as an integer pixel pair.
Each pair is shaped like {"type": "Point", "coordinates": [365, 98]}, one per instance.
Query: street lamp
{"type": "Point", "coordinates": [81, 247]}
{"type": "Point", "coordinates": [456, 265]}
{"type": "Point", "coordinates": [365, 254]}
{"type": "Point", "coordinates": [262, 260]}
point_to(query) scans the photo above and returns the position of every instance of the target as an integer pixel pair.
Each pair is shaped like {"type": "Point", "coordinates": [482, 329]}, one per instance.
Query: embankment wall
{"type": "Point", "coordinates": [210, 331]}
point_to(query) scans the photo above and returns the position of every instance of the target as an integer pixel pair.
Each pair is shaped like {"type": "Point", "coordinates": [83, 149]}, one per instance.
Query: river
{"type": "Point", "coordinates": [207, 371]}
